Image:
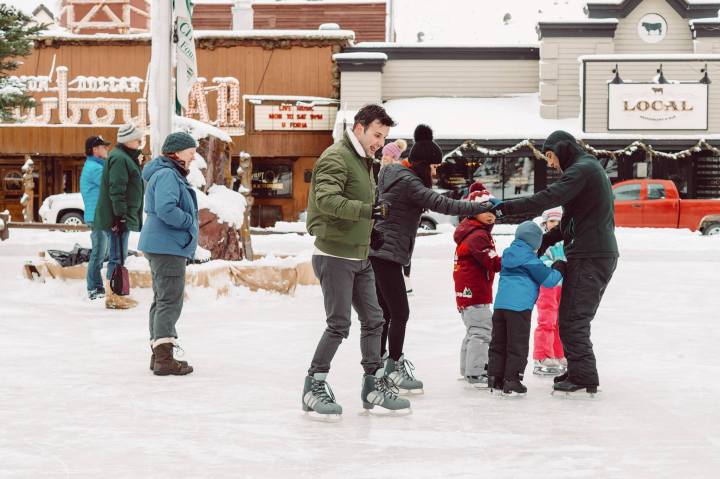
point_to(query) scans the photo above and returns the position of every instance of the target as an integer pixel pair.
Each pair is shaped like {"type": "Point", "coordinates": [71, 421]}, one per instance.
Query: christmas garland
{"type": "Point", "coordinates": [701, 145]}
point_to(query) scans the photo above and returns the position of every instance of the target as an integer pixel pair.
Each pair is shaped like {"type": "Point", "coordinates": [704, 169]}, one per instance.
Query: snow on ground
{"type": "Point", "coordinates": [77, 399]}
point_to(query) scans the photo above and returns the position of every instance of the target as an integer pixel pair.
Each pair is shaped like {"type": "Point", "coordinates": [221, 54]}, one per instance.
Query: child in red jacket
{"type": "Point", "coordinates": [476, 263]}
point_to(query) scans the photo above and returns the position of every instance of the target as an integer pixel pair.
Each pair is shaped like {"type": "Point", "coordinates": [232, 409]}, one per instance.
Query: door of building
{"type": "Point", "coordinates": [11, 190]}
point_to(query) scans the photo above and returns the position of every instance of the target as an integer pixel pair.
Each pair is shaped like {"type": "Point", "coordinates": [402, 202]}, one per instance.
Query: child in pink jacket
{"type": "Point", "coordinates": [548, 351]}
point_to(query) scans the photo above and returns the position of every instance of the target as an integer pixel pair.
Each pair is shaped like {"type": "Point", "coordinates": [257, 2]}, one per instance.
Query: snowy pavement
{"type": "Point", "coordinates": [77, 399]}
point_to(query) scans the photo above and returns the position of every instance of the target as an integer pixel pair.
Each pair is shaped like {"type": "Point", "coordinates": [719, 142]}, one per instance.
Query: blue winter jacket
{"type": "Point", "coordinates": [521, 276]}
{"type": "Point", "coordinates": [171, 226]}
{"type": "Point", "coordinates": [90, 179]}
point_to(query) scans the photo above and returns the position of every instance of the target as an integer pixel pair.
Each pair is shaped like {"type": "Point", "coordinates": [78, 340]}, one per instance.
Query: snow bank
{"type": "Point", "coordinates": [228, 205]}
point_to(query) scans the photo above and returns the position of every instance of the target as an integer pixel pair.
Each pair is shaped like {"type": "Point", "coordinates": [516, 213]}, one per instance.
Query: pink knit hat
{"type": "Point", "coordinates": [392, 149]}
{"type": "Point", "coordinates": [554, 214]}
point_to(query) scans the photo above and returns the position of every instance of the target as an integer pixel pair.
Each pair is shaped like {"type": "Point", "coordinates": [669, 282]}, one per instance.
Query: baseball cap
{"type": "Point", "coordinates": [94, 141]}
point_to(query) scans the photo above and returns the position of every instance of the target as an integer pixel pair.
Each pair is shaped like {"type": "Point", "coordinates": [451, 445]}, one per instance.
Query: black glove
{"type": "Point", "coordinates": [377, 238]}
{"type": "Point", "coordinates": [560, 266]}
{"type": "Point", "coordinates": [549, 239]}
{"type": "Point", "coordinates": [119, 225]}
{"type": "Point", "coordinates": [380, 211]}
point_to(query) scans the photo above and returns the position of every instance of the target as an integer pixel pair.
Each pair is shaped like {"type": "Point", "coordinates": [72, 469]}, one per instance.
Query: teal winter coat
{"type": "Point", "coordinates": [171, 226]}
{"type": "Point", "coordinates": [90, 180]}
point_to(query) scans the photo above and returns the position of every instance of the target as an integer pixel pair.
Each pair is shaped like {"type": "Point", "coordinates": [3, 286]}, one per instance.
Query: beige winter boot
{"type": "Point", "coordinates": [113, 301]}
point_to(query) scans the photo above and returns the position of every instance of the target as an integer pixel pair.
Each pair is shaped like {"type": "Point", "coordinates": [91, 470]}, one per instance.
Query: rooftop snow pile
{"type": "Point", "coordinates": [199, 129]}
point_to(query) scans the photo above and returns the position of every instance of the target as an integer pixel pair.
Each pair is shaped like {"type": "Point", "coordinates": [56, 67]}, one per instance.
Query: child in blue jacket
{"type": "Point", "coordinates": [521, 276]}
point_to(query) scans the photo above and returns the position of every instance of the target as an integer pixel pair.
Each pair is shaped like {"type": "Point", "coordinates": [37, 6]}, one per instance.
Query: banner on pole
{"type": "Point", "coordinates": [186, 71]}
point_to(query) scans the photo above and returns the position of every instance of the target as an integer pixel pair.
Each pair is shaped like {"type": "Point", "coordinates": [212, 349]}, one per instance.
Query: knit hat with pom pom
{"type": "Point", "coordinates": [425, 150]}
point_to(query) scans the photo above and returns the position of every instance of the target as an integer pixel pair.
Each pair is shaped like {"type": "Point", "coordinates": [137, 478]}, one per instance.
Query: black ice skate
{"type": "Point", "coordinates": [513, 387]}
{"type": "Point", "coordinates": [569, 389]}
{"type": "Point", "coordinates": [495, 384]}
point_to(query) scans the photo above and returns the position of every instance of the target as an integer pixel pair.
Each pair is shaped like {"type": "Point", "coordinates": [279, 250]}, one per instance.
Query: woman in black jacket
{"type": "Point", "coordinates": [408, 192]}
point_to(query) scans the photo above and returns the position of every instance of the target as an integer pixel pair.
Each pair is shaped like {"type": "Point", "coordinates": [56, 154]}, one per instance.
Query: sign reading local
{"type": "Point", "coordinates": [658, 106]}
{"type": "Point", "coordinates": [294, 117]}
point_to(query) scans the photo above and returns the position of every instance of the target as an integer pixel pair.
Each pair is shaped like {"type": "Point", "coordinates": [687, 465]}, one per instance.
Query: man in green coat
{"type": "Point", "coordinates": [340, 215]}
{"type": "Point", "coordinates": [120, 204]}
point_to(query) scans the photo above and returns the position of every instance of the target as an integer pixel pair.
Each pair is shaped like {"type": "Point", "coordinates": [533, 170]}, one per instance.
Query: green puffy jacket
{"type": "Point", "coordinates": [121, 191]}
{"type": "Point", "coordinates": [342, 192]}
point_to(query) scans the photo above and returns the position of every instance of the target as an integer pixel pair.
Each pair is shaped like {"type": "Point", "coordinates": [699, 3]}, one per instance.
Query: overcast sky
{"type": "Point", "coordinates": [28, 6]}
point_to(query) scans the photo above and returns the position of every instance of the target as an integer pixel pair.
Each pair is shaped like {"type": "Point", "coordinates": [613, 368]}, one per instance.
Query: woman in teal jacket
{"type": "Point", "coordinates": [168, 240]}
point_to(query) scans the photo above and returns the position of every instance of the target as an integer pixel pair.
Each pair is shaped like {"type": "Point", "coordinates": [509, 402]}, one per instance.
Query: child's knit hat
{"type": "Point", "coordinates": [479, 193]}
{"type": "Point", "coordinates": [530, 233]}
{"type": "Point", "coordinates": [552, 214]}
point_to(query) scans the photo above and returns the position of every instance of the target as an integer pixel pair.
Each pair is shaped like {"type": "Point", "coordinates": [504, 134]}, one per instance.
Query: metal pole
{"type": "Point", "coordinates": [161, 101]}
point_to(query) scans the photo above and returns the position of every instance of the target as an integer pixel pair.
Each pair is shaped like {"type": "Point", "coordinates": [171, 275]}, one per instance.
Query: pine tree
{"type": "Point", "coordinates": [16, 34]}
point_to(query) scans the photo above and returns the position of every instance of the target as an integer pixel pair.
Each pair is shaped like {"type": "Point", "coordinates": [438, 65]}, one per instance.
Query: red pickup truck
{"type": "Point", "coordinates": [657, 204]}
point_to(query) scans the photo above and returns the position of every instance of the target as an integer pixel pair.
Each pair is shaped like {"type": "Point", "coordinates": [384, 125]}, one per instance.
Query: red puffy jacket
{"type": "Point", "coordinates": [476, 263]}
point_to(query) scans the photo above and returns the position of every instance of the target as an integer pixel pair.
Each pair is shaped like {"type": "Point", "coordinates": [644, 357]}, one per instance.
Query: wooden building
{"type": "Point", "coordinates": [367, 18]}
{"type": "Point", "coordinates": [88, 85]}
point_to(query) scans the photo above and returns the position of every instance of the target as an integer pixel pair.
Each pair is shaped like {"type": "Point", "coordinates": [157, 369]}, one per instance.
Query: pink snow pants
{"type": "Point", "coordinates": [547, 337]}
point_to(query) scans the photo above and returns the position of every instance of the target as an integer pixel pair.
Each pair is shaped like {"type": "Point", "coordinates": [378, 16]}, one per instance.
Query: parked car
{"type": "Point", "coordinates": [657, 204]}
{"type": "Point", "coordinates": [67, 208]}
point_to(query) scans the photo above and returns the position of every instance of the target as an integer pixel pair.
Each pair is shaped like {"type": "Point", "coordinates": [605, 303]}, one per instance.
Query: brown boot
{"type": "Point", "coordinates": [152, 359]}
{"type": "Point", "coordinates": [166, 364]}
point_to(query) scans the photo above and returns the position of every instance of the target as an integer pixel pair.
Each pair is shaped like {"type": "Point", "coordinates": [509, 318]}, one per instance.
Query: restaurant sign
{"type": "Point", "coordinates": [294, 117]}
{"type": "Point", "coordinates": [657, 106]}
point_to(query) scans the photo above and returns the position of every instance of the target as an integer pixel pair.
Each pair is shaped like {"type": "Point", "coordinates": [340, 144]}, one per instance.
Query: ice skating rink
{"type": "Point", "coordinates": [77, 399]}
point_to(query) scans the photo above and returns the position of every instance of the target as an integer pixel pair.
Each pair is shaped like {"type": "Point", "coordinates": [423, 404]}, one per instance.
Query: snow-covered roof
{"type": "Point", "coordinates": [311, 2]}
{"type": "Point", "coordinates": [360, 56]}
{"type": "Point", "coordinates": [473, 22]}
{"type": "Point", "coordinates": [651, 56]}
{"type": "Point", "coordinates": [202, 34]}
{"type": "Point", "coordinates": [514, 117]}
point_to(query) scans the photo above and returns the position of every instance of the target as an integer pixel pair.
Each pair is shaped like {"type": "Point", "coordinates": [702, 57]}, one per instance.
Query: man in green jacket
{"type": "Point", "coordinates": [340, 215]}
{"type": "Point", "coordinates": [120, 204]}
{"type": "Point", "coordinates": [588, 232]}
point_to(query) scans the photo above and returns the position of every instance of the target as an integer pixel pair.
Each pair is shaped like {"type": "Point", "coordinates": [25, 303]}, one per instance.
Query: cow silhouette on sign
{"type": "Point", "coordinates": [653, 27]}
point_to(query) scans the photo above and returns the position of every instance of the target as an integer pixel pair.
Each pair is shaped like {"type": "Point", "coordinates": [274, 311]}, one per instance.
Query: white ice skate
{"type": "Point", "coordinates": [548, 367]}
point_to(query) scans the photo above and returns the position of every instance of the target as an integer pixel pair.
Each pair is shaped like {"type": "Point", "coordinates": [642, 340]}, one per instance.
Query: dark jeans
{"type": "Point", "coordinates": [118, 247]}
{"type": "Point", "coordinates": [347, 283]}
{"type": "Point", "coordinates": [509, 344]}
{"type": "Point", "coordinates": [583, 287]}
{"type": "Point", "coordinates": [392, 296]}
{"type": "Point", "coordinates": [98, 255]}
{"type": "Point", "coordinates": [168, 283]}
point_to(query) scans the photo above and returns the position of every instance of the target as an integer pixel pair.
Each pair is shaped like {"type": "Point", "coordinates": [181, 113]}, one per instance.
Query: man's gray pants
{"type": "Point", "coordinates": [168, 283]}
{"type": "Point", "coordinates": [348, 283]}
{"type": "Point", "coordinates": [474, 351]}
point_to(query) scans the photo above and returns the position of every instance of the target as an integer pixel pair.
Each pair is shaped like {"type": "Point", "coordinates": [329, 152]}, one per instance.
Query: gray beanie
{"type": "Point", "coordinates": [178, 141]}
{"type": "Point", "coordinates": [530, 233]}
{"type": "Point", "coordinates": [128, 133]}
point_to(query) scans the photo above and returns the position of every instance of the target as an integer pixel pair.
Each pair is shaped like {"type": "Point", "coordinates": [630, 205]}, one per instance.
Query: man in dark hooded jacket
{"type": "Point", "coordinates": [588, 232]}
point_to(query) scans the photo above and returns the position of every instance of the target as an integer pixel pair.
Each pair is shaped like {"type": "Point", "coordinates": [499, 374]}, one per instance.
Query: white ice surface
{"type": "Point", "coordinates": [77, 399]}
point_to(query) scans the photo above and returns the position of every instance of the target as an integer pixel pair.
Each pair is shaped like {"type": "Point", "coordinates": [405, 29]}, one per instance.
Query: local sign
{"type": "Point", "coordinates": [294, 117]}
{"type": "Point", "coordinates": [657, 106]}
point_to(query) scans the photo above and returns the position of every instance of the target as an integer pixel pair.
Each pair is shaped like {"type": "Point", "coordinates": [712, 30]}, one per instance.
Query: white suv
{"type": "Point", "coordinates": [67, 208]}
